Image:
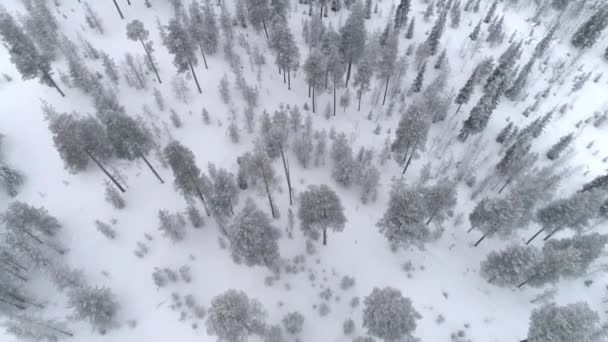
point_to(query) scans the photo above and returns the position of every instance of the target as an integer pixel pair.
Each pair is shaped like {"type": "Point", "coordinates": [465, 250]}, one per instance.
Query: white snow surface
{"type": "Point", "coordinates": [445, 279]}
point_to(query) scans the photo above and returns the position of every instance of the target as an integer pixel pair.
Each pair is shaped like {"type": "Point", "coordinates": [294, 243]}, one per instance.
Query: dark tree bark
{"type": "Point", "coordinates": [334, 98]}
{"type": "Point", "coordinates": [360, 96]}
{"type": "Point", "coordinates": [268, 192]}
{"type": "Point", "coordinates": [491, 231]}
{"type": "Point", "coordinates": [287, 174]}
{"type": "Point", "coordinates": [118, 9]}
{"type": "Point", "coordinates": [324, 236]}
{"type": "Point", "coordinates": [350, 64]}
{"type": "Point", "coordinates": [150, 60]}
{"type": "Point", "coordinates": [313, 96]}
{"type": "Point", "coordinates": [288, 79]}
{"type": "Point", "coordinates": [458, 109]}
{"type": "Point", "coordinates": [204, 58]}
{"type": "Point", "coordinates": [152, 169]}
{"type": "Point", "coordinates": [53, 83]}
{"type": "Point", "coordinates": [535, 236]}
{"type": "Point", "coordinates": [385, 89]}
{"type": "Point", "coordinates": [409, 160]}
{"type": "Point", "coordinates": [198, 86]}
{"type": "Point", "coordinates": [105, 171]}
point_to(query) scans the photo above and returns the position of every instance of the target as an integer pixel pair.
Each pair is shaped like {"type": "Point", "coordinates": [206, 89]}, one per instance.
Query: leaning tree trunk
{"type": "Point", "coordinates": [198, 86]}
{"type": "Point", "coordinates": [386, 89]}
{"type": "Point", "coordinates": [287, 174]}
{"type": "Point", "coordinates": [53, 83]}
{"type": "Point", "coordinates": [118, 9]}
{"type": "Point", "coordinates": [409, 160]}
{"type": "Point", "coordinates": [350, 64]}
{"type": "Point", "coordinates": [151, 168]}
{"type": "Point", "coordinates": [200, 195]}
{"type": "Point", "coordinates": [535, 236]}
{"type": "Point", "coordinates": [265, 30]}
{"type": "Point", "coordinates": [458, 109]}
{"type": "Point", "coordinates": [552, 233]}
{"type": "Point", "coordinates": [150, 60]}
{"type": "Point", "coordinates": [203, 53]}
{"type": "Point", "coordinates": [268, 192]}
{"type": "Point", "coordinates": [485, 235]}
{"type": "Point", "coordinates": [105, 171]}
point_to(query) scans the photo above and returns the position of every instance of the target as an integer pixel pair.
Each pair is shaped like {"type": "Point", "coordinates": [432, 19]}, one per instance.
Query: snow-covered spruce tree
{"type": "Point", "coordinates": [211, 33]}
{"type": "Point", "coordinates": [319, 209]}
{"type": "Point", "coordinates": [389, 47]}
{"type": "Point", "coordinates": [410, 29]}
{"type": "Point", "coordinates": [353, 35]}
{"type": "Point", "coordinates": [410, 135]}
{"type": "Point", "coordinates": [574, 255]}
{"type": "Point", "coordinates": [464, 94]}
{"type": "Point", "coordinates": [574, 212]}
{"type": "Point", "coordinates": [24, 54]}
{"type": "Point", "coordinates": [598, 183]}
{"type": "Point", "coordinates": [287, 52]}
{"type": "Point", "coordinates": [110, 68]}
{"type": "Point", "coordinates": [572, 322]}
{"type": "Point", "coordinates": [455, 15]}
{"type": "Point", "coordinates": [510, 266]}
{"type": "Point", "coordinates": [79, 140]}
{"type": "Point", "coordinates": [475, 33]}
{"type": "Point", "coordinates": [97, 305]}
{"type": "Point", "coordinates": [275, 134]}
{"type": "Point", "coordinates": [31, 233]}
{"type": "Point", "coordinates": [233, 316]}
{"type": "Point", "coordinates": [388, 315]}
{"type": "Point", "coordinates": [519, 84]}
{"type": "Point", "coordinates": [113, 197]}
{"type": "Point", "coordinates": [491, 216]}
{"type": "Point", "coordinates": [138, 33]}
{"type": "Point", "coordinates": [491, 12]}
{"type": "Point", "coordinates": [417, 85]}
{"type": "Point", "coordinates": [589, 32]}
{"type": "Point", "coordinates": [221, 191]}
{"type": "Point", "coordinates": [11, 180]}
{"type": "Point", "coordinates": [303, 143]}
{"type": "Point", "coordinates": [403, 10]}
{"type": "Point", "coordinates": [181, 45]}
{"type": "Point", "coordinates": [129, 138]}
{"type": "Point", "coordinates": [559, 147]}
{"type": "Point", "coordinates": [505, 133]}
{"type": "Point", "coordinates": [172, 226]}
{"type": "Point", "coordinates": [42, 27]}
{"type": "Point", "coordinates": [431, 44]}
{"type": "Point", "coordinates": [196, 28]}
{"type": "Point", "coordinates": [403, 222]}
{"type": "Point", "coordinates": [365, 71]}
{"type": "Point", "coordinates": [182, 163]}
{"type": "Point", "coordinates": [314, 68]}
{"type": "Point", "coordinates": [293, 322]}
{"type": "Point", "coordinates": [440, 199]}
{"type": "Point", "coordinates": [480, 114]}
{"type": "Point", "coordinates": [253, 238]}
{"type": "Point", "coordinates": [495, 32]}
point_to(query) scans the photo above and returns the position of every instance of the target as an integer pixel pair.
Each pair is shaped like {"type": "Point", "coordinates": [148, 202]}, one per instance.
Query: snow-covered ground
{"type": "Point", "coordinates": [444, 279]}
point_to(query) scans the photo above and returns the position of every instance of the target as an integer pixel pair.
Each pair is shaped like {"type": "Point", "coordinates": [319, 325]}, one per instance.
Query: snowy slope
{"type": "Point", "coordinates": [445, 278]}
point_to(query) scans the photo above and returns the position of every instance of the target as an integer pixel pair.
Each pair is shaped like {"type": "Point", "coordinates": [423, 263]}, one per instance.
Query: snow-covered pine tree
{"type": "Point", "coordinates": [510, 266]}
{"type": "Point", "coordinates": [97, 305]}
{"type": "Point", "coordinates": [233, 316]}
{"type": "Point", "coordinates": [389, 47]}
{"type": "Point", "coordinates": [388, 315]}
{"type": "Point", "coordinates": [181, 45]}
{"type": "Point", "coordinates": [417, 85]}
{"type": "Point", "coordinates": [353, 35]}
{"type": "Point", "coordinates": [138, 33]}
{"type": "Point", "coordinates": [221, 191]}
{"type": "Point", "coordinates": [410, 136]}
{"type": "Point", "coordinates": [172, 226]}
{"type": "Point", "coordinates": [491, 11]}
{"type": "Point", "coordinates": [287, 52]}
{"type": "Point", "coordinates": [187, 174]}
{"type": "Point", "coordinates": [343, 169]}
{"type": "Point", "coordinates": [314, 68]}
{"type": "Point", "coordinates": [572, 322]}
{"type": "Point", "coordinates": [320, 209]}
{"type": "Point", "coordinates": [253, 238]}
{"type": "Point", "coordinates": [24, 54]}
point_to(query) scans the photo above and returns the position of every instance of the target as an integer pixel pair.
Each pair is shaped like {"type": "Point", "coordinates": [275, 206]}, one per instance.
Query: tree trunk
{"type": "Point", "coordinates": [458, 109]}
{"type": "Point", "coordinates": [408, 162]}
{"type": "Point", "coordinates": [118, 9]}
{"type": "Point", "coordinates": [200, 195]}
{"type": "Point", "coordinates": [309, 88]}
{"type": "Point", "coordinates": [431, 218]}
{"type": "Point", "coordinates": [491, 231]}
{"type": "Point", "coordinates": [129, 2]}
{"type": "Point", "coordinates": [360, 96]}
{"type": "Point", "coordinates": [54, 84]}
{"type": "Point", "coordinates": [287, 174]}
{"type": "Point", "coordinates": [284, 77]}
{"type": "Point", "coordinates": [204, 58]}
{"type": "Point", "coordinates": [265, 30]}
{"type": "Point", "coordinates": [288, 79]}
{"type": "Point", "coordinates": [151, 168]}
{"type": "Point", "coordinates": [313, 96]}
{"type": "Point", "coordinates": [20, 307]}
{"type": "Point", "coordinates": [470, 229]}
{"type": "Point", "coordinates": [334, 98]}
{"type": "Point", "coordinates": [14, 273]}
{"type": "Point", "coordinates": [194, 75]}
{"type": "Point", "coordinates": [106, 172]}
{"type": "Point", "coordinates": [505, 185]}
{"type": "Point", "coordinates": [268, 192]}
{"type": "Point", "coordinates": [324, 236]}
{"type": "Point", "coordinates": [385, 89]}
{"type": "Point", "coordinates": [350, 64]}
{"type": "Point", "coordinates": [534, 236]}
{"type": "Point", "coordinates": [551, 234]}
{"type": "Point", "coordinates": [151, 61]}
{"type": "Point", "coordinates": [526, 281]}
